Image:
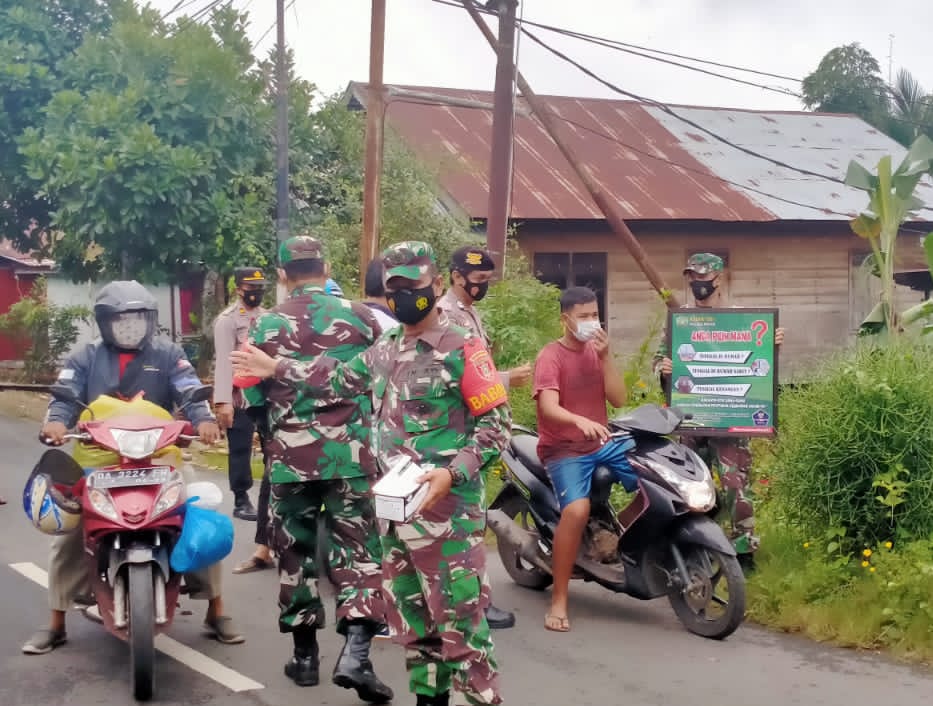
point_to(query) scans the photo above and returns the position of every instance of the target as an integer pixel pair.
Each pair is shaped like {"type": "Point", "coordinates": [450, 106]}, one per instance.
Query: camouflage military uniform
{"type": "Point", "coordinates": [434, 566]}
{"type": "Point", "coordinates": [730, 458]}
{"type": "Point", "coordinates": [320, 456]}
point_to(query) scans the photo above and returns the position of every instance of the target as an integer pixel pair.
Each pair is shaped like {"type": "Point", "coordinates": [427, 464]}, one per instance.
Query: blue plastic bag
{"type": "Point", "coordinates": [206, 538]}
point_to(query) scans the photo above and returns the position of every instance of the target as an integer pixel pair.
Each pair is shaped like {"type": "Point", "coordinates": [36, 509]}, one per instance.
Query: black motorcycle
{"type": "Point", "coordinates": [664, 542]}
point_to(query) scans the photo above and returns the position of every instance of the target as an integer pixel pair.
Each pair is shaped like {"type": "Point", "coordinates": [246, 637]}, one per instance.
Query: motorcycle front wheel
{"type": "Point", "coordinates": [141, 598]}
{"type": "Point", "coordinates": [712, 604]}
{"type": "Point", "coordinates": [520, 571]}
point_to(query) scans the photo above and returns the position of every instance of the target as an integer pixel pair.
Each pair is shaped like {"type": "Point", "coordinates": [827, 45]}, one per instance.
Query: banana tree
{"type": "Point", "coordinates": [891, 202]}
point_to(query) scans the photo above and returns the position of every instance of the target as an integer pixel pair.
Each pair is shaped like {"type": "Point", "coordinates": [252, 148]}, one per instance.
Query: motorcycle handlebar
{"type": "Point", "coordinates": [82, 436]}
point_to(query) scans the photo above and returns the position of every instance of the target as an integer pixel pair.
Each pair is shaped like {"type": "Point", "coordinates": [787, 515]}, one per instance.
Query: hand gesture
{"type": "Point", "coordinates": [666, 367]}
{"type": "Point", "coordinates": [208, 432]}
{"type": "Point", "coordinates": [252, 362]}
{"type": "Point", "coordinates": [54, 433]}
{"type": "Point", "coordinates": [520, 376]}
{"type": "Point", "coordinates": [440, 482]}
{"type": "Point", "coordinates": [778, 336]}
{"type": "Point", "coordinates": [600, 343]}
{"type": "Point", "coordinates": [224, 414]}
{"type": "Point", "coordinates": [592, 430]}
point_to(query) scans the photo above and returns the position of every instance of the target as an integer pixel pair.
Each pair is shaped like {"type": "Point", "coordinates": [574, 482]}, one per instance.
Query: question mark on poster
{"type": "Point", "coordinates": [761, 327]}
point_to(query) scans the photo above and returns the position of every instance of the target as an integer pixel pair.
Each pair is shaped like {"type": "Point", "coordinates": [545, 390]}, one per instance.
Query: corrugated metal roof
{"type": "Point", "coordinates": [28, 259]}
{"type": "Point", "coordinates": [657, 166]}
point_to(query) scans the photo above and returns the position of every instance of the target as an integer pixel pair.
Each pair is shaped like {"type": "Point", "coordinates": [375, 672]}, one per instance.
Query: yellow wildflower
{"type": "Point", "coordinates": [888, 545]}
{"type": "Point", "coordinates": [865, 564]}
{"type": "Point", "coordinates": [866, 553]}
{"type": "Point", "coordinates": [806, 545]}
{"type": "Point", "coordinates": [872, 570]}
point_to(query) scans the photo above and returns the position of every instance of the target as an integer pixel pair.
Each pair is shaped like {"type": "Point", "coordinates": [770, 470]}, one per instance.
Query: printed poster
{"type": "Point", "coordinates": [724, 370]}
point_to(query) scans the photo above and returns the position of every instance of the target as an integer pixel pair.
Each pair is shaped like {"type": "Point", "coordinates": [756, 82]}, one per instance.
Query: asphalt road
{"type": "Point", "coordinates": [621, 651]}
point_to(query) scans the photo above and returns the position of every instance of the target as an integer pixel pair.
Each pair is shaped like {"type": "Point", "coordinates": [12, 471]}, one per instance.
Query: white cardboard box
{"type": "Point", "coordinates": [397, 494]}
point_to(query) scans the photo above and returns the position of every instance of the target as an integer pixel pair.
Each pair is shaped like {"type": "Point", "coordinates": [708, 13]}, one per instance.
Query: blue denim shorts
{"type": "Point", "coordinates": [572, 477]}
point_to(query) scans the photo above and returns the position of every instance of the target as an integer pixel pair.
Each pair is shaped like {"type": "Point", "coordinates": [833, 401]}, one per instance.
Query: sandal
{"type": "Point", "coordinates": [254, 563]}
{"type": "Point", "coordinates": [224, 630]}
{"type": "Point", "coordinates": [556, 623]}
{"type": "Point", "coordinates": [44, 641]}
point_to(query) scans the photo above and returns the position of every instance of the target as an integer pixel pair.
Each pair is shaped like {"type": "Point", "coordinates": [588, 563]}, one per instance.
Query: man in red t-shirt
{"type": "Point", "coordinates": [574, 378]}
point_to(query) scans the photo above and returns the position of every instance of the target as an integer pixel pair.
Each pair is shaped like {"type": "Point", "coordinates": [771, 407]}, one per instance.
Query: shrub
{"type": "Point", "coordinates": [854, 450]}
{"type": "Point", "coordinates": [48, 331]}
{"type": "Point", "coordinates": [521, 316]}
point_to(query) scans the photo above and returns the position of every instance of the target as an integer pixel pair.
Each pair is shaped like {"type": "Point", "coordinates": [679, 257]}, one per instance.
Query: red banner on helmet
{"type": "Point", "coordinates": [481, 388]}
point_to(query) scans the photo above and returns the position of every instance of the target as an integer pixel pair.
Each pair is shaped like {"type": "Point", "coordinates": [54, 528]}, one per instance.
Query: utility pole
{"type": "Point", "coordinates": [375, 108]}
{"type": "Point", "coordinates": [500, 163]}
{"type": "Point", "coordinates": [281, 104]}
{"type": "Point", "coordinates": [603, 200]}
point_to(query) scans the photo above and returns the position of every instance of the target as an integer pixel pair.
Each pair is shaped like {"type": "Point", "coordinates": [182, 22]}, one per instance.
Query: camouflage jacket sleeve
{"type": "Point", "coordinates": [327, 379]}
{"type": "Point", "coordinates": [490, 432]}
{"type": "Point", "coordinates": [265, 333]}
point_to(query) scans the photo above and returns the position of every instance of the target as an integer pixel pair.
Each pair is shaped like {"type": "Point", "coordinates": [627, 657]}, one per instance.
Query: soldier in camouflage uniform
{"type": "Point", "coordinates": [437, 400]}
{"type": "Point", "coordinates": [729, 457]}
{"type": "Point", "coordinates": [320, 455]}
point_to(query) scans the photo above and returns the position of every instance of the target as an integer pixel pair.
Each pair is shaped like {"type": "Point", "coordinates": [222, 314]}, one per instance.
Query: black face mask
{"type": "Point", "coordinates": [477, 290]}
{"type": "Point", "coordinates": [411, 305]}
{"type": "Point", "coordinates": [702, 290]}
{"type": "Point", "coordinates": [252, 298]}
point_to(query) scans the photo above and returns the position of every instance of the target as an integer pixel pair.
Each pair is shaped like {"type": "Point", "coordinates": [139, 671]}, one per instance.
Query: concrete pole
{"type": "Point", "coordinates": [374, 139]}
{"type": "Point", "coordinates": [501, 158]}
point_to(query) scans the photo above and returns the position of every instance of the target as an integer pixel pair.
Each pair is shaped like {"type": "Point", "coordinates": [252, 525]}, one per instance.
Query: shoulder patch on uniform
{"type": "Point", "coordinates": [481, 388]}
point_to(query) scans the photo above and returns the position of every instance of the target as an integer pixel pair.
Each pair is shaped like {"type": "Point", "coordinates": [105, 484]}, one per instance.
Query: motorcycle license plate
{"type": "Point", "coordinates": [131, 477]}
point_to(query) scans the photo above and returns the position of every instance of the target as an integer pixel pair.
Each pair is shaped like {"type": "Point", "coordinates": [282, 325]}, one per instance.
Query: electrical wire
{"type": "Point", "coordinates": [274, 24]}
{"type": "Point", "coordinates": [637, 50]}
{"type": "Point", "coordinates": [180, 5]}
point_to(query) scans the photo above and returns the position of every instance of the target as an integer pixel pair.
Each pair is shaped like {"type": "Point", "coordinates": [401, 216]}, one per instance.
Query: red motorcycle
{"type": "Point", "coordinates": [132, 513]}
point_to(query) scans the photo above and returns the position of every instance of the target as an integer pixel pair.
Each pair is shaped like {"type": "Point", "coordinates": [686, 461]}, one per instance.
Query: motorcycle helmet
{"type": "Point", "coordinates": [127, 315]}
{"type": "Point", "coordinates": [47, 498]}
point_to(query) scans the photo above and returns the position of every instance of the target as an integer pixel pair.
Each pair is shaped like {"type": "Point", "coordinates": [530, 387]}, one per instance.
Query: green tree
{"type": "Point", "coordinates": [154, 155]}
{"type": "Point", "coordinates": [912, 109]}
{"type": "Point", "coordinates": [848, 80]}
{"type": "Point", "coordinates": [329, 185]}
{"type": "Point", "coordinates": [36, 41]}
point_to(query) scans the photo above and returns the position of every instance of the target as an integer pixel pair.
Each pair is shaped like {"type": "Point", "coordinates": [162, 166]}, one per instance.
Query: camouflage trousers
{"type": "Point", "coordinates": [730, 458]}
{"type": "Point", "coordinates": [353, 551]}
{"type": "Point", "coordinates": [437, 592]}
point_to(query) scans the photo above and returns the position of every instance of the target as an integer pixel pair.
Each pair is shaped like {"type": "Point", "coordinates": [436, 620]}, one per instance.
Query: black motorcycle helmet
{"type": "Point", "coordinates": [127, 315]}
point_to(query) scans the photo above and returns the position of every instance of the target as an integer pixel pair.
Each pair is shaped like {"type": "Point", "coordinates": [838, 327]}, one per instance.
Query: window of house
{"type": "Point", "coordinates": [864, 289]}
{"type": "Point", "coordinates": [578, 269]}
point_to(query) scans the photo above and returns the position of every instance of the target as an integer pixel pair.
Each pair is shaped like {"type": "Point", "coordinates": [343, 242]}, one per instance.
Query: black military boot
{"type": "Point", "coordinates": [302, 668]}
{"type": "Point", "coordinates": [354, 670]}
{"type": "Point", "coordinates": [499, 619]}
{"type": "Point", "coordinates": [439, 700]}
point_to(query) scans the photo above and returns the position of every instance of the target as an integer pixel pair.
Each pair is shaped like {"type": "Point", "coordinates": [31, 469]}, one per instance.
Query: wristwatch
{"type": "Point", "coordinates": [458, 477]}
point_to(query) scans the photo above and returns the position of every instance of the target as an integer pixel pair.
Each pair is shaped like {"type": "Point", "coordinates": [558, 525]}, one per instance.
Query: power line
{"type": "Point", "coordinates": [667, 109]}
{"type": "Point", "coordinates": [637, 50]}
{"type": "Point", "coordinates": [200, 14]}
{"type": "Point", "coordinates": [180, 5]}
{"type": "Point", "coordinates": [273, 25]}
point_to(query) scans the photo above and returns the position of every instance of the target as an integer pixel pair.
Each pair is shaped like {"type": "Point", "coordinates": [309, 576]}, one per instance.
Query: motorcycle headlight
{"type": "Point", "coordinates": [169, 497]}
{"type": "Point", "coordinates": [103, 504]}
{"type": "Point", "coordinates": [700, 495]}
{"type": "Point", "coordinates": [136, 444]}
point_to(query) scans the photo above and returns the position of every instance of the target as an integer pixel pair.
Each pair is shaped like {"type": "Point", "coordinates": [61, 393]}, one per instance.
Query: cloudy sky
{"type": "Point", "coordinates": [430, 44]}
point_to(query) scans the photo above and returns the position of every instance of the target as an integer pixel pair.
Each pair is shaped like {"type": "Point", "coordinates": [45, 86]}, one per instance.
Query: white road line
{"type": "Point", "coordinates": [191, 658]}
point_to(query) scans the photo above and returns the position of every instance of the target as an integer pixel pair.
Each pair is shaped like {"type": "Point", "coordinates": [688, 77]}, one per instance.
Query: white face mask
{"type": "Point", "coordinates": [586, 330]}
{"type": "Point", "coordinates": [129, 329]}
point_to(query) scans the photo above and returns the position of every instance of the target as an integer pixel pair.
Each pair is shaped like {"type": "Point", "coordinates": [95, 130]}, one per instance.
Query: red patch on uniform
{"type": "Point", "coordinates": [481, 388]}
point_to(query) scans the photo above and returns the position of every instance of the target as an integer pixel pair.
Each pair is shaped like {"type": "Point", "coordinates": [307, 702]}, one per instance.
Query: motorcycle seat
{"type": "Point", "coordinates": [525, 447]}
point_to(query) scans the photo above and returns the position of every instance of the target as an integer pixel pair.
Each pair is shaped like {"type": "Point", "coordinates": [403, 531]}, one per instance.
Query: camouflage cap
{"type": "Point", "coordinates": [411, 259]}
{"type": "Point", "coordinates": [300, 247]}
{"type": "Point", "coordinates": [704, 263]}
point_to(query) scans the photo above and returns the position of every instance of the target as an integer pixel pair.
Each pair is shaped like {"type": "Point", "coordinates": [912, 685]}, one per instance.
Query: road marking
{"type": "Point", "coordinates": [191, 658]}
